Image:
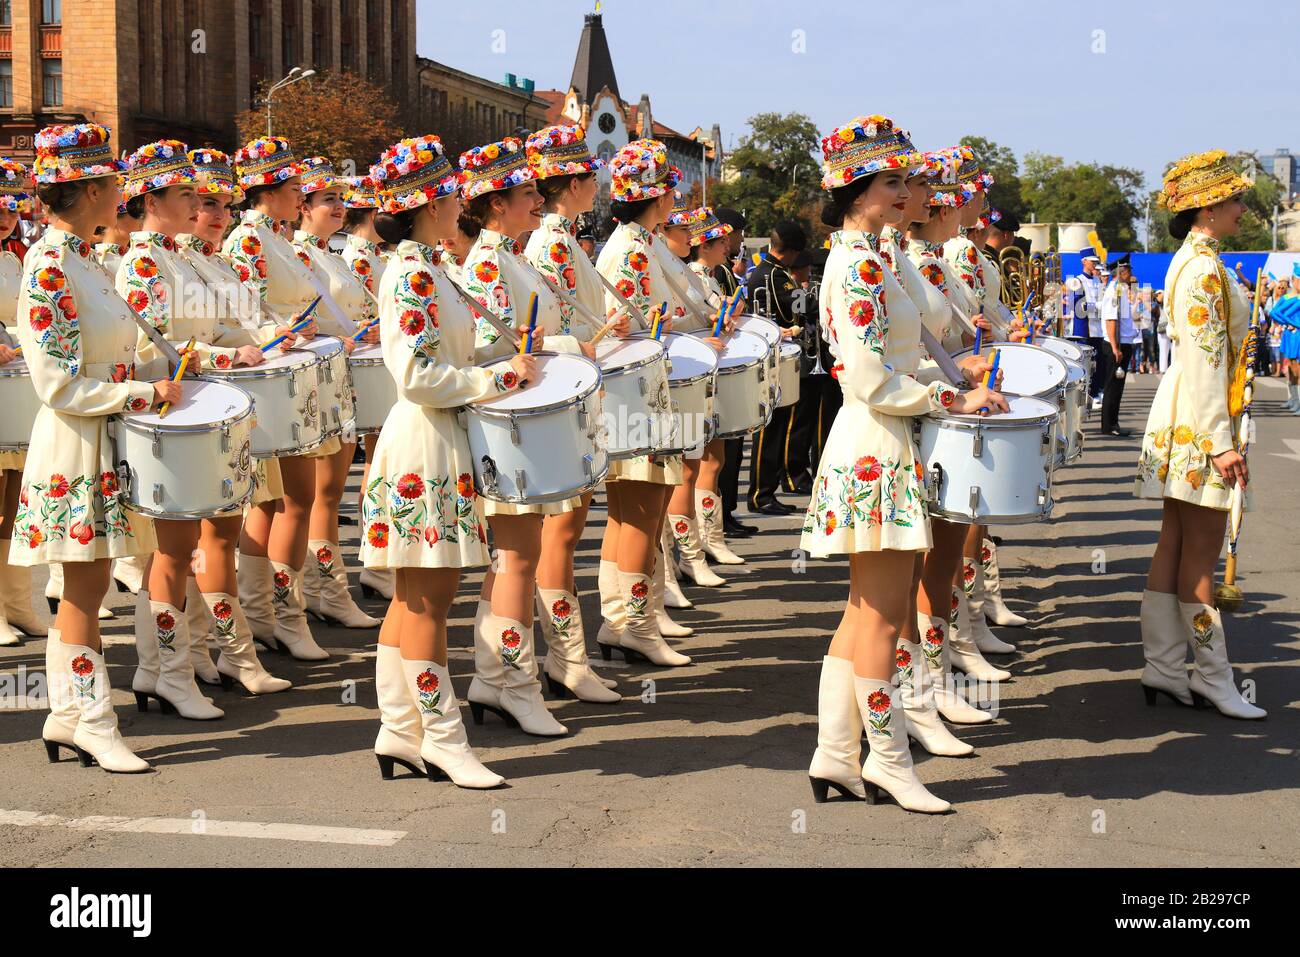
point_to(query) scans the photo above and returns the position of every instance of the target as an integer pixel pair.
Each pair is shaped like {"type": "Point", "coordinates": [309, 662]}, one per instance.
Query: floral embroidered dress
{"type": "Point", "coordinates": [554, 252]}
{"type": "Point", "coordinates": [366, 261]}
{"type": "Point", "coordinates": [343, 285]}
{"type": "Point", "coordinates": [628, 261]}
{"type": "Point", "coordinates": [78, 339]}
{"type": "Point", "coordinates": [927, 258]}
{"type": "Point", "coordinates": [684, 320]}
{"type": "Point", "coordinates": [269, 266]}
{"type": "Point", "coordinates": [991, 302]}
{"type": "Point", "coordinates": [497, 275]}
{"type": "Point", "coordinates": [163, 287]}
{"type": "Point", "coordinates": [867, 495]}
{"type": "Point", "coordinates": [420, 509]}
{"type": "Point", "coordinates": [930, 302]}
{"type": "Point", "coordinates": [109, 256]}
{"type": "Point", "coordinates": [967, 280]}
{"type": "Point", "coordinates": [11, 276]}
{"type": "Point", "coordinates": [708, 285]}
{"type": "Point", "coordinates": [1189, 423]}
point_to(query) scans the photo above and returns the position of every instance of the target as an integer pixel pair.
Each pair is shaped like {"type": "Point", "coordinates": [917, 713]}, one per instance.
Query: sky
{"type": "Point", "coordinates": [1136, 83]}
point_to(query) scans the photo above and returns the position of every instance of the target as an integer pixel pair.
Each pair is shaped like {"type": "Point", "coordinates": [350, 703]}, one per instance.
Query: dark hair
{"type": "Point", "coordinates": [394, 227]}
{"type": "Point", "coordinates": [61, 197]}
{"type": "Point", "coordinates": [629, 212]}
{"type": "Point", "coordinates": [788, 237]}
{"type": "Point", "coordinates": [253, 193]}
{"type": "Point", "coordinates": [135, 206]}
{"type": "Point", "coordinates": [1182, 223]}
{"type": "Point", "coordinates": [842, 198]}
{"type": "Point", "coordinates": [474, 213]}
{"type": "Point", "coordinates": [354, 219]}
{"type": "Point", "coordinates": [552, 187]}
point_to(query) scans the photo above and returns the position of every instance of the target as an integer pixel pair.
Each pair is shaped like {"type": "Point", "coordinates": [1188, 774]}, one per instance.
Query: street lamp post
{"type": "Point", "coordinates": [704, 171]}
{"type": "Point", "coordinates": [296, 74]}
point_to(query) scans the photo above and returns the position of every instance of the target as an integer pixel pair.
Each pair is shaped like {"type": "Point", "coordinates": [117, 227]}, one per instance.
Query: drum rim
{"type": "Point", "coordinates": [475, 408]}
{"type": "Point", "coordinates": [617, 371]}
{"type": "Point", "coordinates": [130, 420]}
{"type": "Point", "coordinates": [964, 518]}
{"type": "Point", "coordinates": [597, 478]}
{"type": "Point", "coordinates": [270, 372]}
{"type": "Point", "coordinates": [692, 379]}
{"type": "Point", "coordinates": [761, 319]}
{"type": "Point", "coordinates": [11, 371]}
{"type": "Point", "coordinates": [194, 514]}
{"type": "Point", "coordinates": [1023, 345]}
{"type": "Point", "coordinates": [368, 362]}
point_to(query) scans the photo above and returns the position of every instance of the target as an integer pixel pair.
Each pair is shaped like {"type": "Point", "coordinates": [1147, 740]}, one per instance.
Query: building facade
{"type": "Point", "coordinates": [184, 68]}
{"type": "Point", "coordinates": [1284, 168]}
{"type": "Point", "coordinates": [465, 110]}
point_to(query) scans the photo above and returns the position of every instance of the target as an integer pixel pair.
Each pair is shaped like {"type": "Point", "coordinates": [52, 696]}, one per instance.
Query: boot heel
{"type": "Point", "coordinates": [820, 788]}
{"type": "Point", "coordinates": [606, 651]}
{"type": "Point", "coordinates": [54, 605]}
{"type": "Point", "coordinates": [227, 682]}
{"type": "Point", "coordinates": [142, 702]}
{"type": "Point", "coordinates": [385, 766]}
{"type": "Point", "coordinates": [476, 712]}
{"type": "Point", "coordinates": [434, 773]}
{"type": "Point", "coordinates": [1200, 701]}
{"type": "Point", "coordinates": [369, 592]}
{"type": "Point", "coordinates": [120, 587]}
{"type": "Point", "coordinates": [84, 756]}
{"type": "Point", "coordinates": [873, 793]}
{"type": "Point", "coordinates": [52, 751]}
{"type": "Point", "coordinates": [557, 688]}
{"type": "Point", "coordinates": [631, 656]}
{"type": "Point", "coordinates": [166, 706]}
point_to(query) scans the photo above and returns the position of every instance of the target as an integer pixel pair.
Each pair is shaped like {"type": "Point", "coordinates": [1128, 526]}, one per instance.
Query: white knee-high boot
{"type": "Point", "coordinates": [400, 732]}
{"type": "Point", "coordinates": [667, 627]}
{"type": "Point", "coordinates": [200, 626]}
{"type": "Point", "coordinates": [567, 667]}
{"type": "Point", "coordinates": [291, 629]}
{"type": "Point", "coordinates": [16, 597]}
{"type": "Point", "coordinates": [916, 695]}
{"type": "Point", "coordinates": [995, 609]}
{"type": "Point", "coordinates": [693, 564]}
{"type": "Point", "coordinates": [934, 651]}
{"type": "Point", "coordinates": [708, 509]}
{"type": "Point", "coordinates": [977, 627]}
{"type": "Point", "coordinates": [889, 765]}
{"type": "Point", "coordinates": [963, 653]}
{"type": "Point", "coordinates": [640, 638]}
{"type": "Point", "coordinates": [96, 739]}
{"type": "Point", "coordinates": [444, 747]}
{"type": "Point", "coordinates": [837, 762]}
{"type": "Point", "coordinates": [175, 689]}
{"type": "Point", "coordinates": [256, 588]}
{"type": "Point", "coordinates": [509, 688]}
{"type": "Point", "coordinates": [328, 597]}
{"type": "Point", "coordinates": [238, 661]}
{"type": "Point", "coordinates": [1212, 679]}
{"type": "Point", "coordinates": [1164, 646]}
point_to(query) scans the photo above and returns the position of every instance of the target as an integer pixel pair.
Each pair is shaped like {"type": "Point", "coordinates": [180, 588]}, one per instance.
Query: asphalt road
{"type": "Point", "coordinates": [706, 765]}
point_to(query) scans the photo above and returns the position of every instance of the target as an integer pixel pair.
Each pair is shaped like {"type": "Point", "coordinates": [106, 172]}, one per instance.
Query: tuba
{"type": "Point", "coordinates": [1015, 279]}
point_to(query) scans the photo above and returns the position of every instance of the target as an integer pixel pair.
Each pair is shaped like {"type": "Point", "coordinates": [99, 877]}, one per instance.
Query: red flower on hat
{"type": "Point", "coordinates": [410, 486]}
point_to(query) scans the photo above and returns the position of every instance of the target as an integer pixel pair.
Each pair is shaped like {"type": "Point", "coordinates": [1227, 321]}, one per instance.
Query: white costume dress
{"type": "Point", "coordinates": [11, 275]}
{"type": "Point", "coordinates": [420, 509]}
{"type": "Point", "coordinates": [78, 339]}
{"type": "Point", "coordinates": [366, 261]}
{"type": "Point", "coordinates": [1188, 424]}
{"type": "Point", "coordinates": [109, 256]}
{"type": "Point", "coordinates": [868, 494]}
{"type": "Point", "coordinates": [554, 252]}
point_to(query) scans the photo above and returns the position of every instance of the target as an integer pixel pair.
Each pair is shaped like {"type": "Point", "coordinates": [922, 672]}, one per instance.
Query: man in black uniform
{"type": "Point", "coordinates": [771, 289]}
{"type": "Point", "coordinates": [820, 397]}
{"type": "Point", "coordinates": [729, 477]}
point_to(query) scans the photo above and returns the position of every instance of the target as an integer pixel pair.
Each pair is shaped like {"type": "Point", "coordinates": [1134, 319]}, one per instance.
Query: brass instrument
{"type": "Point", "coordinates": [1015, 279]}
{"type": "Point", "coordinates": [810, 333]}
{"type": "Point", "coordinates": [1053, 311]}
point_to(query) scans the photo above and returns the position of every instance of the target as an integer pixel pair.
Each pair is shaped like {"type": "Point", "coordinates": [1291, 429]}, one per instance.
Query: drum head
{"type": "Point", "coordinates": [1027, 370]}
{"type": "Point", "coordinates": [325, 346]}
{"type": "Point", "coordinates": [1061, 347]}
{"type": "Point", "coordinates": [690, 357]}
{"type": "Point", "coordinates": [560, 378]}
{"type": "Point", "coordinates": [275, 359]}
{"type": "Point", "coordinates": [791, 350]}
{"type": "Point", "coordinates": [18, 366]}
{"type": "Point", "coordinates": [742, 348]}
{"type": "Point", "coordinates": [370, 351]}
{"type": "Point", "coordinates": [203, 403]}
{"type": "Point", "coordinates": [766, 328]}
{"type": "Point", "coordinates": [612, 353]}
{"type": "Point", "coordinates": [1074, 373]}
{"type": "Point", "coordinates": [1024, 408]}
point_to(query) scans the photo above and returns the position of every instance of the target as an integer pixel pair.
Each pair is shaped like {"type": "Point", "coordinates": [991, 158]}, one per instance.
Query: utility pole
{"type": "Point", "coordinates": [1146, 228]}
{"type": "Point", "coordinates": [1276, 213]}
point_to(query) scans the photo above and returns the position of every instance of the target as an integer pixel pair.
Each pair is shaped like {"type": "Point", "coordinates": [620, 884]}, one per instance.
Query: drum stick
{"type": "Point", "coordinates": [627, 303]}
{"type": "Point", "coordinates": [991, 376]}
{"type": "Point", "coordinates": [979, 338]}
{"type": "Point", "coordinates": [303, 322]}
{"type": "Point", "coordinates": [659, 322]}
{"type": "Point", "coordinates": [526, 346]}
{"type": "Point", "coordinates": [585, 314]}
{"type": "Point", "coordinates": [700, 315]}
{"type": "Point", "coordinates": [722, 315]}
{"type": "Point", "coordinates": [180, 371]}
{"type": "Point", "coordinates": [488, 316]}
{"type": "Point", "coordinates": [360, 333]}
{"type": "Point", "coordinates": [603, 331]}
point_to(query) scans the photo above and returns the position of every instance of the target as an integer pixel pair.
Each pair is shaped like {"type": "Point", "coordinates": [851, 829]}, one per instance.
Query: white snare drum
{"type": "Point", "coordinates": [788, 373]}
{"type": "Point", "coordinates": [20, 403]}
{"type": "Point", "coordinates": [1026, 369]}
{"type": "Point", "coordinates": [1088, 360]}
{"type": "Point", "coordinates": [376, 392]}
{"type": "Point", "coordinates": [542, 443]}
{"type": "Point", "coordinates": [742, 400]}
{"type": "Point", "coordinates": [285, 391]}
{"type": "Point", "coordinates": [636, 404]}
{"type": "Point", "coordinates": [195, 462]}
{"type": "Point", "coordinates": [771, 333]}
{"type": "Point", "coordinates": [693, 367]}
{"type": "Point", "coordinates": [338, 410]}
{"type": "Point", "coordinates": [994, 470]}
{"type": "Point", "coordinates": [1070, 440]}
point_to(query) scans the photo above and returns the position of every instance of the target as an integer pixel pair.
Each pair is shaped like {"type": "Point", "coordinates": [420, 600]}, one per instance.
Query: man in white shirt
{"type": "Point", "coordinates": [1121, 332]}
{"type": "Point", "coordinates": [1085, 292]}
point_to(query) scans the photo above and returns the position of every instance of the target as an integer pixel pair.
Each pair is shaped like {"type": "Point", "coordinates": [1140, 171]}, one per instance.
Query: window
{"type": "Point", "coordinates": [51, 16]}
{"type": "Point", "coordinates": [319, 34]}
{"type": "Point", "coordinates": [256, 24]}
{"type": "Point", "coordinates": [6, 84]}
{"type": "Point", "coordinates": [6, 13]}
{"type": "Point", "coordinates": [52, 82]}
{"type": "Point", "coordinates": [347, 28]}
{"type": "Point", "coordinates": [289, 54]}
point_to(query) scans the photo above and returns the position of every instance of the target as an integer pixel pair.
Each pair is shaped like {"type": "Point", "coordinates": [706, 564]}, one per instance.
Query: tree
{"type": "Point", "coordinates": [341, 116]}
{"type": "Point", "coordinates": [774, 174]}
{"type": "Point", "coordinates": [1001, 162]}
{"type": "Point", "coordinates": [1110, 196]}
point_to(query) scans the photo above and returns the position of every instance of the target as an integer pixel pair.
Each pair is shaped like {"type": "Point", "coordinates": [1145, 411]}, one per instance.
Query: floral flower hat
{"type": "Point", "coordinates": [1201, 179]}
{"type": "Point", "coordinates": [705, 226]}
{"type": "Point", "coordinates": [359, 193]}
{"type": "Point", "coordinates": [68, 153]}
{"type": "Point", "coordinates": [866, 145]}
{"type": "Point", "coordinates": [266, 162]}
{"type": "Point", "coordinates": [496, 166]}
{"type": "Point", "coordinates": [216, 174]}
{"type": "Point", "coordinates": [158, 165]}
{"type": "Point", "coordinates": [942, 168]}
{"type": "Point", "coordinates": [989, 217]}
{"type": "Point", "coordinates": [15, 187]}
{"type": "Point", "coordinates": [318, 174]}
{"type": "Point", "coordinates": [641, 170]}
{"type": "Point", "coordinates": [682, 214]}
{"type": "Point", "coordinates": [973, 177]}
{"type": "Point", "coordinates": [411, 173]}
{"type": "Point", "coordinates": [561, 151]}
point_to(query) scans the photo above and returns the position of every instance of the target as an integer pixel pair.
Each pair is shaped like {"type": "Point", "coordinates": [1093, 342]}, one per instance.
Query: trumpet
{"type": "Point", "coordinates": [810, 333]}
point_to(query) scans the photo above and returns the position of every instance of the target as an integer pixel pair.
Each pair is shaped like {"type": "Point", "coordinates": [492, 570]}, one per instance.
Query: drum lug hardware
{"type": "Point", "coordinates": [977, 448]}
{"type": "Point", "coordinates": [157, 444]}
{"type": "Point", "coordinates": [521, 481]}
{"type": "Point", "coordinates": [582, 417]}
{"type": "Point", "coordinates": [762, 410]}
{"type": "Point", "coordinates": [1047, 439]}
{"type": "Point", "coordinates": [974, 499]}
{"type": "Point", "coordinates": [293, 385]}
{"type": "Point", "coordinates": [124, 478]}
{"type": "Point", "coordinates": [338, 419]}
{"type": "Point", "coordinates": [586, 467]}
{"type": "Point", "coordinates": [225, 440]}
{"type": "Point", "coordinates": [491, 484]}
{"type": "Point", "coordinates": [227, 488]}
{"type": "Point", "coordinates": [158, 493]}
{"type": "Point", "coordinates": [934, 483]}
{"type": "Point", "coordinates": [296, 431]}
{"type": "Point", "coordinates": [514, 431]}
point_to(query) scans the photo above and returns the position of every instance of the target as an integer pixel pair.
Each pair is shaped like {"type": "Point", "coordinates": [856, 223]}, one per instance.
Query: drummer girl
{"type": "Point", "coordinates": [162, 288]}
{"type": "Point", "coordinates": [364, 256]}
{"type": "Point", "coordinates": [501, 203]}
{"type": "Point", "coordinates": [273, 545]}
{"type": "Point", "coordinates": [78, 339]}
{"type": "Point", "coordinates": [422, 517]}
{"type": "Point", "coordinates": [1190, 458]}
{"type": "Point", "coordinates": [116, 240]}
{"type": "Point", "coordinates": [638, 488]}
{"type": "Point", "coordinates": [325, 584]}
{"type": "Point", "coordinates": [16, 613]}
{"type": "Point", "coordinates": [237, 325]}
{"type": "Point", "coordinates": [867, 500]}
{"type": "Point", "coordinates": [566, 179]}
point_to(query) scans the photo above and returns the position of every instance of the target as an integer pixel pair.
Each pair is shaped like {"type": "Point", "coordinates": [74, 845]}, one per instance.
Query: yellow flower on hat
{"type": "Point", "coordinates": [492, 151]}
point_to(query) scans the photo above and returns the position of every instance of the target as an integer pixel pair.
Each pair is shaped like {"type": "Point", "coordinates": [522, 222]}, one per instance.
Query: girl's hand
{"type": "Point", "coordinates": [249, 356]}
{"type": "Point", "coordinates": [980, 322]}
{"type": "Point", "coordinates": [588, 350]}
{"type": "Point", "coordinates": [622, 325]}
{"type": "Point", "coordinates": [715, 342]}
{"type": "Point", "coordinates": [524, 366]}
{"type": "Point", "coordinates": [349, 345]}
{"type": "Point", "coordinates": [165, 390]}
{"type": "Point", "coordinates": [6, 355]}
{"type": "Point", "coordinates": [372, 334]}
{"type": "Point", "coordinates": [980, 400]}
{"type": "Point", "coordinates": [1232, 466]}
